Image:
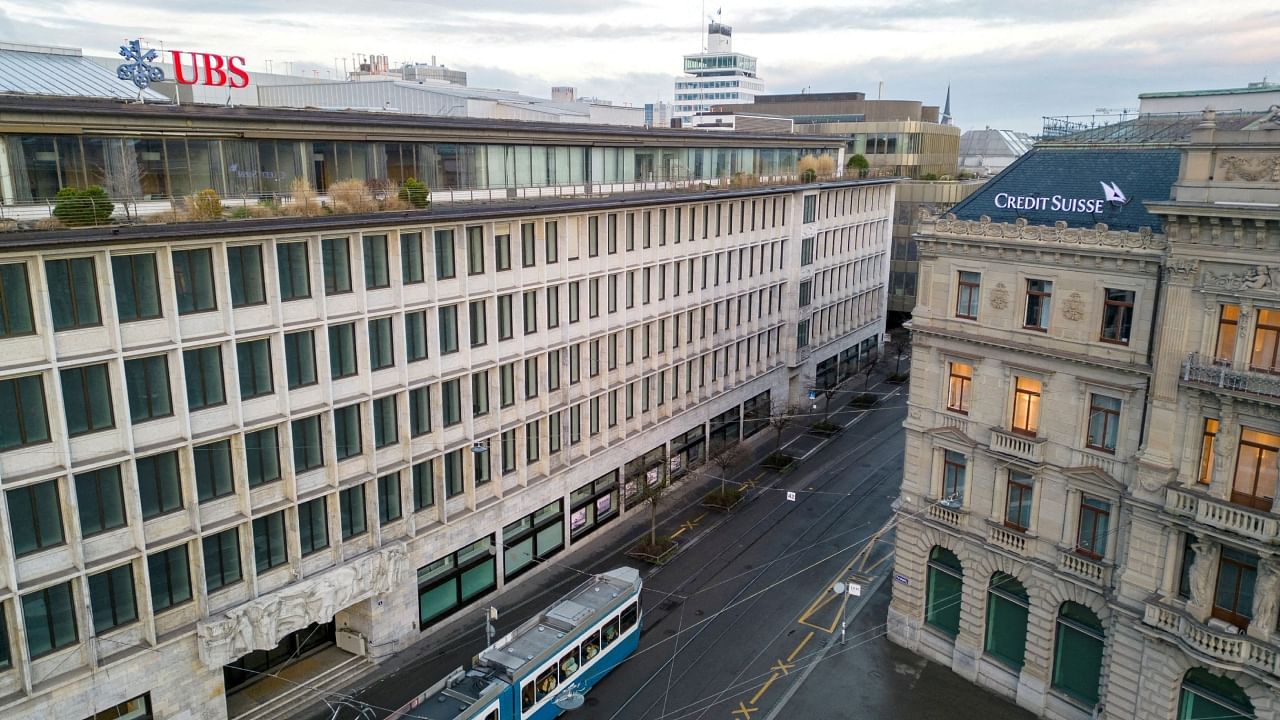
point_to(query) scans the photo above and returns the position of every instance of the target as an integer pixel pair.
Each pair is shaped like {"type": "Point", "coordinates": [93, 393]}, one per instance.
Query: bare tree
{"type": "Point", "coordinates": [652, 493]}
{"type": "Point", "coordinates": [726, 457]}
{"type": "Point", "coordinates": [899, 345]}
{"type": "Point", "coordinates": [122, 178]}
{"type": "Point", "coordinates": [781, 420]}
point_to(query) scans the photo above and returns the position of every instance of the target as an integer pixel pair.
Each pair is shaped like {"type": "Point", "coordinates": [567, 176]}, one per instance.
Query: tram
{"type": "Point", "coordinates": [547, 664]}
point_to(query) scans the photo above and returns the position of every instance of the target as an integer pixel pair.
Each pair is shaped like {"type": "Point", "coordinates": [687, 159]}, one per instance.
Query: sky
{"type": "Point", "coordinates": [1008, 62]}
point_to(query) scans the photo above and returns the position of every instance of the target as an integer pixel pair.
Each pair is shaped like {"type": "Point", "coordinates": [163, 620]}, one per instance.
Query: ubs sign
{"type": "Point", "coordinates": [201, 68]}
{"type": "Point", "coordinates": [1112, 196]}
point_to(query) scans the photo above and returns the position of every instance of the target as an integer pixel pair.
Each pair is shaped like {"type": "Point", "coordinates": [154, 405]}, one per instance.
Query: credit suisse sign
{"type": "Point", "coordinates": [1111, 195]}
{"type": "Point", "coordinates": [198, 68]}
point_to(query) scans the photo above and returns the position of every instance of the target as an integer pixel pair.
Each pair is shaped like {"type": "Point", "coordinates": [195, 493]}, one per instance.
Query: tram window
{"type": "Point", "coordinates": [610, 632]}
{"type": "Point", "coordinates": [590, 647]}
{"type": "Point", "coordinates": [526, 697]}
{"type": "Point", "coordinates": [569, 664]}
{"type": "Point", "coordinates": [629, 617]}
{"type": "Point", "coordinates": [492, 716]}
{"type": "Point", "coordinates": [547, 682]}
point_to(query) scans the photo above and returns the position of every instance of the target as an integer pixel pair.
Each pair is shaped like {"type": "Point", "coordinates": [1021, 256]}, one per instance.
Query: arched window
{"type": "Point", "coordinates": [1007, 606]}
{"type": "Point", "coordinates": [1077, 654]}
{"type": "Point", "coordinates": [1206, 696]}
{"type": "Point", "coordinates": [942, 596]}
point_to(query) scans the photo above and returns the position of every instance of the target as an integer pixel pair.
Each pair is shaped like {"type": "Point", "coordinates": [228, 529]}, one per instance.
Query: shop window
{"type": "Point", "coordinates": [1077, 652]}
{"type": "Point", "coordinates": [1007, 608]}
{"type": "Point", "coordinates": [944, 591]}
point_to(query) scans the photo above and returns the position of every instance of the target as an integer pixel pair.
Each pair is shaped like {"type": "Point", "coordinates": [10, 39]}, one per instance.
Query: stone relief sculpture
{"type": "Point", "coordinates": [1059, 233]}
{"type": "Point", "coordinates": [999, 297]}
{"type": "Point", "coordinates": [1202, 572]}
{"type": "Point", "coordinates": [259, 624]}
{"type": "Point", "coordinates": [1259, 277]}
{"type": "Point", "coordinates": [1266, 595]}
{"type": "Point", "coordinates": [1251, 169]}
{"type": "Point", "coordinates": [1073, 308]}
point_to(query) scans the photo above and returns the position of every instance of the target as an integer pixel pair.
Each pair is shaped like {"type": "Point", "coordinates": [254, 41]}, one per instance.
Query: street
{"type": "Point", "coordinates": [744, 624]}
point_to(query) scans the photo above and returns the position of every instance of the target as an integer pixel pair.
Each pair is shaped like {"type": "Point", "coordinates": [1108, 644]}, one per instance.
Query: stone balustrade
{"type": "Point", "coordinates": [1095, 571]}
{"type": "Point", "coordinates": [1220, 646]}
{"type": "Point", "coordinates": [944, 515]}
{"type": "Point", "coordinates": [1223, 515]}
{"type": "Point", "coordinates": [1019, 446]}
{"type": "Point", "coordinates": [1008, 539]}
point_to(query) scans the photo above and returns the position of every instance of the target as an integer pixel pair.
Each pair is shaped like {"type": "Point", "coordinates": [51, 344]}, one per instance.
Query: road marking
{"type": "Point", "coordinates": [688, 525]}
{"type": "Point", "coordinates": [782, 667]}
{"type": "Point", "coordinates": [800, 647]}
{"type": "Point", "coordinates": [764, 688]}
{"type": "Point", "coordinates": [745, 711]}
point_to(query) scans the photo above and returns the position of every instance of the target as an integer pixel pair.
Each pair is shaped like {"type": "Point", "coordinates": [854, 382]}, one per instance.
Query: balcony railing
{"type": "Point", "coordinates": [1108, 465]}
{"type": "Point", "coordinates": [1240, 650]}
{"type": "Point", "coordinates": [1201, 370]}
{"type": "Point", "coordinates": [944, 515]}
{"type": "Point", "coordinates": [1094, 571]}
{"type": "Point", "coordinates": [1018, 446]}
{"type": "Point", "coordinates": [1009, 539]}
{"type": "Point", "coordinates": [1246, 522]}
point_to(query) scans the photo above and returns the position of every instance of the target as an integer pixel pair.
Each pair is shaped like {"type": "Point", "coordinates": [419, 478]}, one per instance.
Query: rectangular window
{"type": "Point", "coordinates": [381, 348]}
{"type": "Point", "coordinates": [262, 456]}
{"type": "Point", "coordinates": [1104, 422]}
{"type": "Point", "coordinates": [448, 317]}
{"type": "Point", "coordinates": [389, 498]}
{"type": "Point", "coordinates": [411, 258]}
{"type": "Point", "coordinates": [802, 334]}
{"type": "Point", "coordinates": [505, 329]}
{"type": "Point", "coordinates": [1095, 519]}
{"type": "Point", "coordinates": [294, 269]}
{"type": "Point", "coordinates": [612, 237]}
{"type": "Point", "coordinates": [1039, 295]}
{"type": "Point", "coordinates": [1207, 438]}
{"type": "Point", "coordinates": [313, 526]}
{"type": "Point", "coordinates": [1233, 595]}
{"type": "Point", "coordinates": [1026, 406]}
{"type": "Point", "coordinates": [423, 485]}
{"type": "Point", "coordinates": [480, 393]}
{"type": "Point", "coordinates": [300, 358]}
{"type": "Point", "coordinates": [507, 385]}
{"type": "Point", "coordinates": [22, 402]}
{"type": "Point", "coordinates": [476, 316]}
{"type": "Point", "coordinates": [420, 411]}
{"type": "Point", "coordinates": [445, 269]}
{"type": "Point", "coordinates": [50, 616]}
{"type": "Point", "coordinates": [508, 443]}
{"type": "Point", "coordinates": [1017, 507]}
{"type": "Point", "coordinates": [346, 432]}
{"type": "Point", "coordinates": [968, 295]}
{"type": "Point", "coordinates": [147, 381]}
{"type": "Point", "coordinates": [528, 246]}
{"type": "Point", "coordinates": [806, 255]}
{"type": "Point", "coordinates": [530, 378]}
{"type": "Point", "coordinates": [475, 250]}
{"type": "Point", "coordinates": [269, 547]}
{"type": "Point", "coordinates": [502, 252]}
{"type": "Point", "coordinates": [204, 377]}
{"type": "Point", "coordinates": [1228, 329]}
{"type": "Point", "coordinates": [593, 299]}
{"type": "Point", "coordinates": [137, 291]}
{"type": "Point", "coordinates": [244, 266]}
{"type": "Point", "coordinates": [159, 484]}
{"type": "Point", "coordinates": [35, 517]}
{"type": "Point", "coordinates": [342, 350]}
{"type": "Point", "coordinates": [530, 312]}
{"type": "Point", "coordinates": [1254, 484]}
{"type": "Point", "coordinates": [214, 477]}
{"type": "Point", "coordinates": [451, 402]}
{"type": "Point", "coordinates": [86, 399]}
{"type": "Point", "coordinates": [337, 266]}
{"type": "Point", "coordinates": [1117, 315]}
{"type": "Point", "coordinates": [552, 242]}
{"type": "Point", "coordinates": [307, 453]}
{"type": "Point", "coordinates": [593, 236]}
{"type": "Point", "coordinates": [73, 292]}
{"type": "Point", "coordinates": [810, 208]}
{"type": "Point", "coordinates": [415, 336]}
{"type": "Point", "coordinates": [954, 465]}
{"type": "Point", "coordinates": [958, 387]}
{"type": "Point", "coordinates": [222, 559]}
{"type": "Point", "coordinates": [575, 298]}
{"type": "Point", "coordinates": [253, 363]}
{"type": "Point", "coordinates": [352, 512]}
{"type": "Point", "coordinates": [170, 574]}
{"type": "Point", "coordinates": [377, 271]}
{"type": "Point", "coordinates": [1265, 355]}
{"type": "Point", "coordinates": [385, 430]}
{"type": "Point", "coordinates": [553, 304]}
{"type": "Point", "coordinates": [453, 473]}
{"type": "Point", "coordinates": [100, 499]}
{"type": "Point", "coordinates": [193, 278]}
{"type": "Point", "coordinates": [806, 292]}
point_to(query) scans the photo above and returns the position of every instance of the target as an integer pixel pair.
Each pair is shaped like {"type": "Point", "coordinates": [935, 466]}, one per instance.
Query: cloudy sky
{"type": "Point", "coordinates": [1009, 62]}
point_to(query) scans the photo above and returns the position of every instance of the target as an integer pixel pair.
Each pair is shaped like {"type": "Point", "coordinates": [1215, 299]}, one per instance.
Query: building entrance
{"type": "Point", "coordinates": [292, 647]}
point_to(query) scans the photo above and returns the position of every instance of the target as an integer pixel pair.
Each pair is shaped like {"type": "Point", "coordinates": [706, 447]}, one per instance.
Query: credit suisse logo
{"type": "Point", "coordinates": [200, 68]}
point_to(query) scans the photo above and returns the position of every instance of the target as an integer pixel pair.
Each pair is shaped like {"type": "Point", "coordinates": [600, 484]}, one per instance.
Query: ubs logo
{"type": "Point", "coordinates": [202, 68]}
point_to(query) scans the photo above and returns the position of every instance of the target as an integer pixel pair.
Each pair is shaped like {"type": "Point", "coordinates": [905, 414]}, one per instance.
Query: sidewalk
{"type": "Point", "coordinates": [453, 644]}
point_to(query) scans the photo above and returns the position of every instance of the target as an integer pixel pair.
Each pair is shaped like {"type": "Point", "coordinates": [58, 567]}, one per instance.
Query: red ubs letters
{"type": "Point", "coordinates": [209, 69]}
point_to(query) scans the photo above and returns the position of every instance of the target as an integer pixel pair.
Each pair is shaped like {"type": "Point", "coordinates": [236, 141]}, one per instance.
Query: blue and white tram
{"type": "Point", "coordinates": [565, 650]}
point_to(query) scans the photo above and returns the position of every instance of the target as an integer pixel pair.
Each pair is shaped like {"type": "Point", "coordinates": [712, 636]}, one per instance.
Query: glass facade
{"type": "Point", "coordinates": [40, 165]}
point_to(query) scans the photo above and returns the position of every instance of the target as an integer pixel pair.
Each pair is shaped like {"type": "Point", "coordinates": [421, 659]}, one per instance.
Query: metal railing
{"type": "Point", "coordinates": [1202, 370]}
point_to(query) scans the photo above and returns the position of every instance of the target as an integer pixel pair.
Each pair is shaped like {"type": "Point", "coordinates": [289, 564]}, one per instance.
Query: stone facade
{"type": "Point", "coordinates": [633, 321]}
{"type": "Point", "coordinates": [1126, 509]}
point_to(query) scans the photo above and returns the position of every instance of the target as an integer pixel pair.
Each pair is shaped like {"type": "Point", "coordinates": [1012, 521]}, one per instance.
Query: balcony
{"type": "Point", "coordinates": [1201, 371]}
{"type": "Point", "coordinates": [1245, 522]}
{"type": "Point", "coordinates": [1095, 571]}
{"type": "Point", "coordinates": [1225, 647]}
{"type": "Point", "coordinates": [944, 515]}
{"type": "Point", "coordinates": [1107, 464]}
{"type": "Point", "coordinates": [1018, 446]}
{"type": "Point", "coordinates": [1008, 539]}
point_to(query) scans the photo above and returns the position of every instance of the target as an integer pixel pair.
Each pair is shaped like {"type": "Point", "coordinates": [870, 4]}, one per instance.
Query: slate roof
{"type": "Point", "coordinates": [1142, 174]}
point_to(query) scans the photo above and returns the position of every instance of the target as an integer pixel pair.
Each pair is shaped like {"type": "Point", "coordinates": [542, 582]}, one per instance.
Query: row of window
{"type": "Point", "coordinates": [1264, 351]}
{"type": "Point", "coordinates": [566, 668]}
{"type": "Point", "coordinates": [1102, 428]}
{"type": "Point", "coordinates": [1117, 306]}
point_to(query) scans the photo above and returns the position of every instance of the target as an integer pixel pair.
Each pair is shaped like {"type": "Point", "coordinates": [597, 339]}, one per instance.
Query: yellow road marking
{"type": "Point", "coordinates": [800, 647]}
{"type": "Point", "coordinates": [782, 667]}
{"type": "Point", "coordinates": [876, 564]}
{"type": "Point", "coordinates": [679, 532]}
{"type": "Point", "coordinates": [818, 604]}
{"type": "Point", "coordinates": [764, 688]}
{"type": "Point", "coordinates": [745, 711]}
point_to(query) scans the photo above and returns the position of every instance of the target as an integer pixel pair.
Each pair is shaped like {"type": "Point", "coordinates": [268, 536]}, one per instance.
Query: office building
{"type": "Point", "coordinates": [1088, 520]}
{"type": "Point", "coordinates": [239, 443]}
{"type": "Point", "coordinates": [716, 76]}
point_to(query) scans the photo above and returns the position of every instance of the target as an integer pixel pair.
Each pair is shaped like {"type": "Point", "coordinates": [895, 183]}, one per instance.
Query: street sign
{"type": "Point", "coordinates": [855, 589]}
{"type": "Point", "coordinates": [898, 578]}
{"type": "Point", "coordinates": [813, 394]}
{"type": "Point", "coordinates": [791, 496]}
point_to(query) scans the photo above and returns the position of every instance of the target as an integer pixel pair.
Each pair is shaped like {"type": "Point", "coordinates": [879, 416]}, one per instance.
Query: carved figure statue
{"type": "Point", "coordinates": [1257, 278]}
{"type": "Point", "coordinates": [1224, 450]}
{"type": "Point", "coordinates": [1202, 572]}
{"type": "Point", "coordinates": [1266, 595]}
